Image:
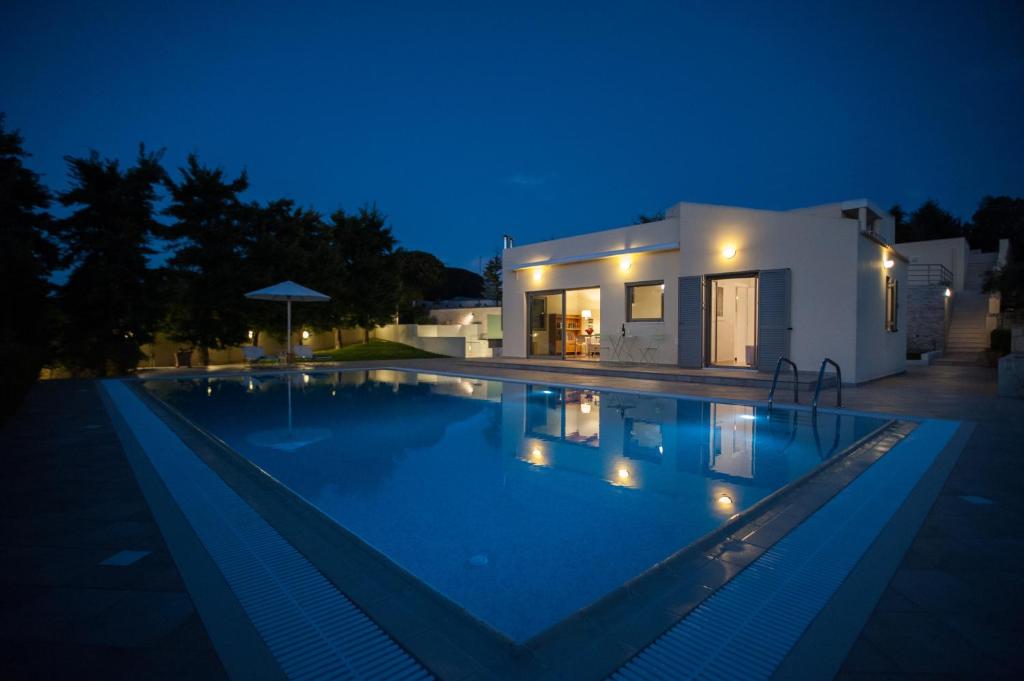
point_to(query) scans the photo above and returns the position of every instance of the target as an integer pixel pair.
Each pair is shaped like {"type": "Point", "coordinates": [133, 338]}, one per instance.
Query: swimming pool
{"type": "Point", "coordinates": [520, 503]}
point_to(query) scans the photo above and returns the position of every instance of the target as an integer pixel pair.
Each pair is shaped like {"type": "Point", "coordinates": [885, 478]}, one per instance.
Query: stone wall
{"type": "Point", "coordinates": [927, 318]}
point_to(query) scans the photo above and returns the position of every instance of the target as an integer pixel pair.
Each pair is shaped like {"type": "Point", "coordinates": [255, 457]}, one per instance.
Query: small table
{"type": "Point", "coordinates": [623, 347]}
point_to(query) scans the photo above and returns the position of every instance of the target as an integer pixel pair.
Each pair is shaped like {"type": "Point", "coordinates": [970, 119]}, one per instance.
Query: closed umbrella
{"type": "Point", "coordinates": [288, 291]}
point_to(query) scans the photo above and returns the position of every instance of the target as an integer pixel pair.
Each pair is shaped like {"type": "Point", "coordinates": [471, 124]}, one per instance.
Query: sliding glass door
{"type": "Point", "coordinates": [564, 324]}
{"type": "Point", "coordinates": [544, 330]}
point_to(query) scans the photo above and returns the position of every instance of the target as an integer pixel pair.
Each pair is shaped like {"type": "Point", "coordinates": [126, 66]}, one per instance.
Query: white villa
{"type": "Point", "coordinates": [717, 286]}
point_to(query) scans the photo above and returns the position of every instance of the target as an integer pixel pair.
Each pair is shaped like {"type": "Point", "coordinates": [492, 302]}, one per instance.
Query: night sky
{"type": "Point", "coordinates": [464, 121]}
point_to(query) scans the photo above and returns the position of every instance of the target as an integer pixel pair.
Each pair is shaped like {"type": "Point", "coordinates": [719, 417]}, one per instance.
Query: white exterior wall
{"type": "Point", "coordinates": [453, 340]}
{"type": "Point", "coordinates": [604, 273]}
{"type": "Point", "coordinates": [818, 250]}
{"type": "Point", "coordinates": [835, 290]}
{"type": "Point", "coordinates": [468, 315]}
{"type": "Point", "coordinates": [949, 252]}
{"type": "Point", "coordinates": [879, 352]}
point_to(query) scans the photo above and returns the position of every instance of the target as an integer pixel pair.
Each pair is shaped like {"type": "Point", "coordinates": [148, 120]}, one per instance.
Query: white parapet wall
{"type": "Point", "coordinates": [453, 340]}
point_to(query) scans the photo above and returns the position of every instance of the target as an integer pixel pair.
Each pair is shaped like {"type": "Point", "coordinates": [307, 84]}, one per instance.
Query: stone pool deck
{"type": "Point", "coordinates": [70, 503]}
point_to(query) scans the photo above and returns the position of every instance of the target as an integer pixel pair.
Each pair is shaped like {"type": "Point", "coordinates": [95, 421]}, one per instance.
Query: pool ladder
{"type": "Point", "coordinates": [817, 387]}
{"type": "Point", "coordinates": [775, 381]}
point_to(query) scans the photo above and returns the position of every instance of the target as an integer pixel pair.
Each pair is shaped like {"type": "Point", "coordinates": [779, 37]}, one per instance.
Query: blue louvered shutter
{"type": "Point", "coordinates": [774, 320]}
{"type": "Point", "coordinates": [691, 327]}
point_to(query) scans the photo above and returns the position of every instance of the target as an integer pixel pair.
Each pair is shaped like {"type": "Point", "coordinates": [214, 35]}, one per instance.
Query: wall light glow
{"type": "Point", "coordinates": [623, 473]}
{"type": "Point", "coordinates": [625, 264]}
{"type": "Point", "coordinates": [724, 500]}
{"type": "Point", "coordinates": [536, 274]}
{"type": "Point", "coordinates": [729, 252]}
{"type": "Point", "coordinates": [305, 335]}
{"type": "Point", "coordinates": [888, 262]}
{"type": "Point", "coordinates": [948, 293]}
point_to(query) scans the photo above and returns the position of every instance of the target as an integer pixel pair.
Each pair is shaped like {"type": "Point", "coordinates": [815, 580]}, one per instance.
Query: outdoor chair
{"type": "Point", "coordinates": [650, 347]}
{"type": "Point", "coordinates": [253, 353]}
{"type": "Point", "coordinates": [302, 351]}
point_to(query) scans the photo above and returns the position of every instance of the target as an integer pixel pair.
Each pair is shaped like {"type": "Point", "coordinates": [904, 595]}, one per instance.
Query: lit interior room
{"type": "Point", "coordinates": [733, 316]}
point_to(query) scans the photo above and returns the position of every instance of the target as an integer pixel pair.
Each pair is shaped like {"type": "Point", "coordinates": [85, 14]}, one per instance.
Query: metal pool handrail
{"type": "Point", "coordinates": [817, 387]}
{"type": "Point", "coordinates": [775, 380]}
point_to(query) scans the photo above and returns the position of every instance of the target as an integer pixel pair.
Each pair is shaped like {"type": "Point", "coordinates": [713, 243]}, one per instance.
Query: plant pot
{"type": "Point", "coordinates": [183, 358]}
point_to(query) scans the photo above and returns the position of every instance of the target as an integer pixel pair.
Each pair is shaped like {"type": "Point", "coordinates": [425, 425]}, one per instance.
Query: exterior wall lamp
{"type": "Point", "coordinates": [536, 274]}
{"type": "Point", "coordinates": [888, 262]}
{"type": "Point", "coordinates": [729, 252]}
{"type": "Point", "coordinates": [625, 264]}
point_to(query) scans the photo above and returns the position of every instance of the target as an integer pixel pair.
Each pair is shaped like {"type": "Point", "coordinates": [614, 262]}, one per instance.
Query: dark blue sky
{"type": "Point", "coordinates": [467, 120]}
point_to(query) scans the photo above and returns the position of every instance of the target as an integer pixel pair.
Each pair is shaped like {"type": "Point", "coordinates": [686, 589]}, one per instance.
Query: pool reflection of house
{"type": "Point", "coordinates": [660, 445]}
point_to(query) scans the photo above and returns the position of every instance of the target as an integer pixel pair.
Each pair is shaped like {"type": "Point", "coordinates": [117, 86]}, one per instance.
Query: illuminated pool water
{"type": "Point", "coordinates": [520, 503]}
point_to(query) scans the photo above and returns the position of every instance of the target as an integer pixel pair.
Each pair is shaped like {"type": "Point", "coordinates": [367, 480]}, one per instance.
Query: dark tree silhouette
{"type": "Point", "coordinates": [492, 278]}
{"type": "Point", "coordinates": [928, 222]}
{"type": "Point", "coordinates": [111, 302]}
{"type": "Point", "coordinates": [998, 217]}
{"type": "Point", "coordinates": [27, 257]}
{"type": "Point", "coordinates": [287, 242]}
{"type": "Point", "coordinates": [206, 308]}
{"type": "Point", "coordinates": [457, 283]}
{"type": "Point", "coordinates": [643, 218]}
{"type": "Point", "coordinates": [369, 283]}
{"type": "Point", "coordinates": [418, 272]}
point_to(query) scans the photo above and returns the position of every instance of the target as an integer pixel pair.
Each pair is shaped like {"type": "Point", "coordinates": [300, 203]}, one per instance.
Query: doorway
{"type": "Point", "coordinates": [732, 321]}
{"type": "Point", "coordinates": [564, 324]}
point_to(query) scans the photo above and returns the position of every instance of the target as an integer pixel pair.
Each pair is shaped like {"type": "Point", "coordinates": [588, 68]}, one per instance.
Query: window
{"type": "Point", "coordinates": [891, 304]}
{"type": "Point", "coordinates": [645, 302]}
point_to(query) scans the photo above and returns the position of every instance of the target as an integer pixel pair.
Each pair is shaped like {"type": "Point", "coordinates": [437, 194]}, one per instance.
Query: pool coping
{"type": "Point", "coordinates": [593, 642]}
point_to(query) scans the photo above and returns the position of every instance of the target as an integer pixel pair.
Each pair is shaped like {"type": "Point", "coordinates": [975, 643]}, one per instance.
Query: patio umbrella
{"type": "Point", "coordinates": [288, 291]}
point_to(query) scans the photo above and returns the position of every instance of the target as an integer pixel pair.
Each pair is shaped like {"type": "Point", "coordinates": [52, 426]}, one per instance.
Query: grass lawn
{"type": "Point", "coordinates": [375, 349]}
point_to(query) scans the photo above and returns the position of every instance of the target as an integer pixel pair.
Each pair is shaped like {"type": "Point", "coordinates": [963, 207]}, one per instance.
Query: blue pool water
{"type": "Point", "coordinates": [520, 503]}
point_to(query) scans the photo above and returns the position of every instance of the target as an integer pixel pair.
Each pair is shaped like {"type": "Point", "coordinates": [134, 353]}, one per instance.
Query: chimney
{"type": "Point", "coordinates": [506, 241]}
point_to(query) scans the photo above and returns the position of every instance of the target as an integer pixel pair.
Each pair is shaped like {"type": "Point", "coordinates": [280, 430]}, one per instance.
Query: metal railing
{"type": "Point", "coordinates": [775, 380]}
{"type": "Point", "coordinates": [929, 274]}
{"type": "Point", "coordinates": [817, 387]}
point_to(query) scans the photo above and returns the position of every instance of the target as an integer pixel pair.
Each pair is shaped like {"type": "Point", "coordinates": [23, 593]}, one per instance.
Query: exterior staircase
{"type": "Point", "coordinates": [968, 335]}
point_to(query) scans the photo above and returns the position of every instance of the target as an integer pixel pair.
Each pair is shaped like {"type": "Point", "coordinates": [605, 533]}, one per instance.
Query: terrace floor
{"type": "Point", "coordinates": [71, 502]}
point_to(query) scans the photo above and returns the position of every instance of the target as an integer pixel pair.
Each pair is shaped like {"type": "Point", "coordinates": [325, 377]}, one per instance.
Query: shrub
{"type": "Point", "coordinates": [999, 341]}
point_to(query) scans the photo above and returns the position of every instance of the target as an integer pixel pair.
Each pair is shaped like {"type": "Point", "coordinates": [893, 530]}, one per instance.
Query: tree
{"type": "Point", "coordinates": [457, 283]}
{"type": "Point", "coordinates": [1008, 281]}
{"type": "Point", "coordinates": [643, 218]}
{"type": "Point", "coordinates": [928, 222]}
{"type": "Point", "coordinates": [492, 278]}
{"type": "Point", "coordinates": [207, 292]}
{"type": "Point", "coordinates": [998, 217]}
{"type": "Point", "coordinates": [418, 272]}
{"type": "Point", "coordinates": [285, 242]}
{"type": "Point", "coordinates": [899, 218]}
{"type": "Point", "coordinates": [370, 281]}
{"type": "Point", "coordinates": [111, 301]}
{"type": "Point", "coordinates": [27, 257]}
